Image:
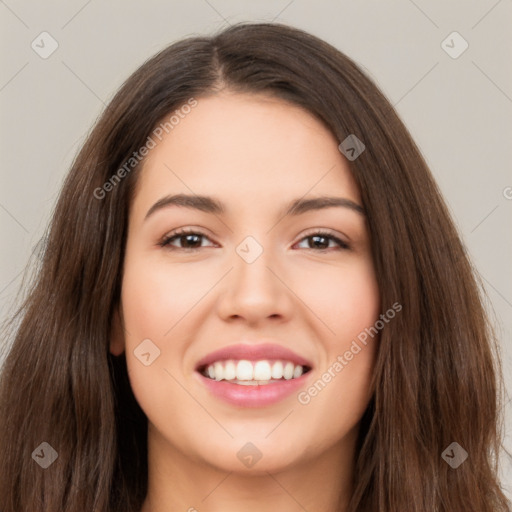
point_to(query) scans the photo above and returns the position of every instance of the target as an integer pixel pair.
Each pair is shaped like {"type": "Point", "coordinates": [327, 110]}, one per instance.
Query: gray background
{"type": "Point", "coordinates": [457, 109]}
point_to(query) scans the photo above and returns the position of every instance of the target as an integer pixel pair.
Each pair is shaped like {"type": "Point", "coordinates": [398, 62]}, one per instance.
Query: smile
{"type": "Point", "coordinates": [253, 374]}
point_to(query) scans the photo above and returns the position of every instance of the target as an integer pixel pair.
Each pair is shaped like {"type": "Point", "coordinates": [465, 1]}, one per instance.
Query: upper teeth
{"type": "Point", "coordinates": [253, 370]}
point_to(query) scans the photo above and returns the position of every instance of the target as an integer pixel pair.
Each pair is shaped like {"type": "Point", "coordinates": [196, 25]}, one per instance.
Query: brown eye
{"type": "Point", "coordinates": [189, 239]}
{"type": "Point", "coordinates": [321, 241]}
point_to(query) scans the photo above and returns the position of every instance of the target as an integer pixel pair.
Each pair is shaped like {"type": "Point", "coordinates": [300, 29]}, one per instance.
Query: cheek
{"type": "Point", "coordinates": [341, 389]}
{"type": "Point", "coordinates": [357, 315]}
{"type": "Point", "coordinates": [150, 310]}
{"type": "Point", "coordinates": [333, 402]}
{"type": "Point", "coordinates": [345, 298]}
{"type": "Point", "coordinates": [156, 297]}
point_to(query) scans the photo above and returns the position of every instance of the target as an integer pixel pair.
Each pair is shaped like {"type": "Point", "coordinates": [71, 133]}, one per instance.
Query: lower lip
{"type": "Point", "coordinates": [253, 396]}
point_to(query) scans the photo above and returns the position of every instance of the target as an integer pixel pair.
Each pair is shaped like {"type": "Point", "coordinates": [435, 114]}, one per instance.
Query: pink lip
{"type": "Point", "coordinates": [253, 353]}
{"type": "Point", "coordinates": [253, 396]}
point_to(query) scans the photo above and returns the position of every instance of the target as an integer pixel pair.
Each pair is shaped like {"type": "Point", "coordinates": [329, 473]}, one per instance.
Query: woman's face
{"type": "Point", "coordinates": [252, 273]}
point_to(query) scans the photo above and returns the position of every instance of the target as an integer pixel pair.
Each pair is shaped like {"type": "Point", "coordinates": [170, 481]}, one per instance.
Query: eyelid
{"type": "Point", "coordinates": [340, 242]}
{"type": "Point", "coordinates": [176, 233]}
{"type": "Point", "coordinates": [325, 231]}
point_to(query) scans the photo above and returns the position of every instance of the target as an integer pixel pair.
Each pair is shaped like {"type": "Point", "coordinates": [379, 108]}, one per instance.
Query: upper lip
{"type": "Point", "coordinates": [253, 352]}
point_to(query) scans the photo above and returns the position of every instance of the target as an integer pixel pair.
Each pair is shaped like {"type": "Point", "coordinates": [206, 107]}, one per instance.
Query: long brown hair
{"type": "Point", "coordinates": [437, 375]}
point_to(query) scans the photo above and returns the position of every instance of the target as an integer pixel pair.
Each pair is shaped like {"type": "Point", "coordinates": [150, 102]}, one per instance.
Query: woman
{"type": "Point", "coordinates": [326, 350]}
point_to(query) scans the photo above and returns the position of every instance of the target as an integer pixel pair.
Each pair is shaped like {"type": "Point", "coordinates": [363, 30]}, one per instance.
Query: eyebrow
{"type": "Point", "coordinates": [209, 204]}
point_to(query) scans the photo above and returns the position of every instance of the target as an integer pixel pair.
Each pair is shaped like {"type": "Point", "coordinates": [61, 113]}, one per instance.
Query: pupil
{"type": "Point", "coordinates": [186, 237]}
{"type": "Point", "coordinates": [316, 237]}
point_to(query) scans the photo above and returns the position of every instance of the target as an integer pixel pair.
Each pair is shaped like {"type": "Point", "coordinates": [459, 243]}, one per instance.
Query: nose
{"type": "Point", "coordinates": [256, 290]}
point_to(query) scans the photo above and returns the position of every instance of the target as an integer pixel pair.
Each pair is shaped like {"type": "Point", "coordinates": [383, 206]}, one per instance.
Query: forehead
{"type": "Point", "coordinates": [247, 149]}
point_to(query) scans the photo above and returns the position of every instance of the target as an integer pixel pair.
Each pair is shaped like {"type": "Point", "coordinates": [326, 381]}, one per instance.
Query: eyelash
{"type": "Point", "coordinates": [165, 242]}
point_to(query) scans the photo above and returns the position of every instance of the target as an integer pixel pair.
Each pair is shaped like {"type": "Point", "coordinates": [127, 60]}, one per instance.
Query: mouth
{"type": "Point", "coordinates": [253, 375]}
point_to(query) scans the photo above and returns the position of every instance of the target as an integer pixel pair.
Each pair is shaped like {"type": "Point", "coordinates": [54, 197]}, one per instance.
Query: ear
{"type": "Point", "coordinates": [117, 341]}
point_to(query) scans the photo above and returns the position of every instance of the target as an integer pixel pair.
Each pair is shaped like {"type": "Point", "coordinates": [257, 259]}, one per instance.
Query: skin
{"type": "Point", "coordinates": [255, 154]}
